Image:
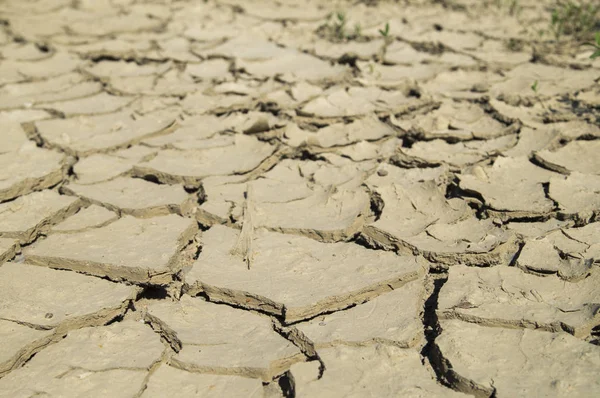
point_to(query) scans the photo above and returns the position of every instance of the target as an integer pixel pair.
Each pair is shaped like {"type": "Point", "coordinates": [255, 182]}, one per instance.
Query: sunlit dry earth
{"type": "Point", "coordinates": [297, 199]}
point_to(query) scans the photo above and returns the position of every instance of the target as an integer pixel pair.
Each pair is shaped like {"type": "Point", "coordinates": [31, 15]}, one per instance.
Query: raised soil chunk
{"type": "Point", "coordinates": [356, 101]}
{"type": "Point", "coordinates": [240, 156]}
{"type": "Point", "coordinates": [8, 248]}
{"type": "Point", "coordinates": [27, 216]}
{"type": "Point", "coordinates": [96, 104]}
{"type": "Point", "coordinates": [90, 217]}
{"type": "Point", "coordinates": [375, 370]}
{"type": "Point", "coordinates": [136, 250]}
{"type": "Point", "coordinates": [577, 194]}
{"type": "Point", "coordinates": [546, 256]}
{"type": "Point", "coordinates": [18, 342]}
{"type": "Point", "coordinates": [458, 121]}
{"type": "Point", "coordinates": [526, 194]}
{"type": "Point", "coordinates": [293, 276]}
{"type": "Point", "coordinates": [576, 156]}
{"type": "Point", "coordinates": [135, 196]}
{"type": "Point", "coordinates": [216, 338]}
{"type": "Point", "coordinates": [508, 297]}
{"type": "Point", "coordinates": [392, 318]}
{"type": "Point", "coordinates": [413, 200]}
{"type": "Point", "coordinates": [166, 379]}
{"type": "Point", "coordinates": [13, 135]}
{"type": "Point", "coordinates": [552, 80]}
{"type": "Point", "coordinates": [28, 169]}
{"type": "Point", "coordinates": [45, 298]}
{"type": "Point", "coordinates": [316, 199]}
{"type": "Point", "coordinates": [101, 167]}
{"type": "Point", "coordinates": [107, 361]}
{"type": "Point", "coordinates": [510, 362]}
{"type": "Point", "coordinates": [85, 135]}
{"type": "Point", "coordinates": [339, 134]}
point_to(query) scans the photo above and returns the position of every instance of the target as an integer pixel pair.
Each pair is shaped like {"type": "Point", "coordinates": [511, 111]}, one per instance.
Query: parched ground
{"type": "Point", "coordinates": [246, 198]}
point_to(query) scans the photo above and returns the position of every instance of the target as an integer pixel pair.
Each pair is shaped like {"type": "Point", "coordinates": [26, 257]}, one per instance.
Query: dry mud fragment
{"type": "Point", "coordinates": [201, 132]}
{"type": "Point", "coordinates": [456, 122]}
{"type": "Point", "coordinates": [295, 277]}
{"type": "Point", "coordinates": [43, 96]}
{"type": "Point", "coordinates": [13, 135]}
{"type": "Point", "coordinates": [8, 249]}
{"type": "Point", "coordinates": [531, 140]}
{"type": "Point", "coordinates": [552, 80]}
{"type": "Point", "coordinates": [168, 379]}
{"type": "Point", "coordinates": [90, 217]}
{"type": "Point", "coordinates": [241, 155]}
{"type": "Point", "coordinates": [39, 304]}
{"type": "Point", "coordinates": [377, 320]}
{"type": "Point", "coordinates": [510, 363]}
{"type": "Point", "coordinates": [19, 342]}
{"type": "Point", "coordinates": [508, 297]}
{"type": "Point", "coordinates": [460, 154]}
{"type": "Point", "coordinates": [101, 167]}
{"type": "Point", "coordinates": [339, 134]}
{"type": "Point", "coordinates": [513, 187]}
{"type": "Point", "coordinates": [558, 253]}
{"type": "Point", "coordinates": [45, 298]}
{"type": "Point", "coordinates": [85, 135]}
{"type": "Point", "coordinates": [576, 156]}
{"type": "Point", "coordinates": [356, 101]}
{"type": "Point", "coordinates": [569, 252]}
{"type": "Point", "coordinates": [215, 69]}
{"type": "Point", "coordinates": [416, 216]}
{"type": "Point", "coordinates": [131, 249]}
{"type": "Point", "coordinates": [29, 169]}
{"type": "Point", "coordinates": [219, 339]}
{"type": "Point", "coordinates": [462, 84]}
{"type": "Point", "coordinates": [135, 196]}
{"type": "Point", "coordinates": [96, 104]}
{"type": "Point", "coordinates": [26, 217]}
{"type": "Point", "coordinates": [322, 200]}
{"type": "Point", "coordinates": [59, 64]}
{"type": "Point", "coordinates": [375, 370]}
{"type": "Point", "coordinates": [98, 361]}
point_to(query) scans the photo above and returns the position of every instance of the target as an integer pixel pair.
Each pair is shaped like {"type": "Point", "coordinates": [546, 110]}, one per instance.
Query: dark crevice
{"type": "Point", "coordinates": [431, 352]}
{"type": "Point", "coordinates": [432, 331]}
{"type": "Point", "coordinates": [287, 385]}
{"type": "Point", "coordinates": [154, 293]}
{"type": "Point", "coordinates": [513, 261]}
{"type": "Point", "coordinates": [377, 205]}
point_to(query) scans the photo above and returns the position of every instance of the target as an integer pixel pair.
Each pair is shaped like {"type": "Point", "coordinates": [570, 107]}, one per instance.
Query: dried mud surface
{"type": "Point", "coordinates": [224, 199]}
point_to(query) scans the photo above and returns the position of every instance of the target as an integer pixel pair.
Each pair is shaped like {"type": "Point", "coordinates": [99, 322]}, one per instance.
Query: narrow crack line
{"type": "Point", "coordinates": [28, 324]}
{"type": "Point", "coordinates": [161, 361]}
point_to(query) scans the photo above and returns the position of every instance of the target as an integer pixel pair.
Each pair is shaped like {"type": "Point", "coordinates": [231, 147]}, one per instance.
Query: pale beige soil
{"type": "Point", "coordinates": [225, 199]}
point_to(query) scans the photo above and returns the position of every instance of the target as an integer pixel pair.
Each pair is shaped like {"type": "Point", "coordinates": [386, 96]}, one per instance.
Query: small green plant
{"type": "Point", "coordinates": [336, 28]}
{"type": "Point", "coordinates": [514, 8]}
{"type": "Point", "coordinates": [357, 30]}
{"type": "Point", "coordinates": [385, 32]}
{"type": "Point", "coordinates": [514, 44]}
{"type": "Point", "coordinates": [575, 19]}
{"type": "Point", "coordinates": [534, 87]}
{"type": "Point", "coordinates": [596, 46]}
{"type": "Point", "coordinates": [339, 25]}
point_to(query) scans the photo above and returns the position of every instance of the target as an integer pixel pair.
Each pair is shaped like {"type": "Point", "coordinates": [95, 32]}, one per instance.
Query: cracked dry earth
{"type": "Point", "coordinates": [216, 199]}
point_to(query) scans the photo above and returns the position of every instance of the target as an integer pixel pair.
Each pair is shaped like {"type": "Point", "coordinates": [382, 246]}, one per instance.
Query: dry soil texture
{"type": "Point", "coordinates": [247, 198]}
